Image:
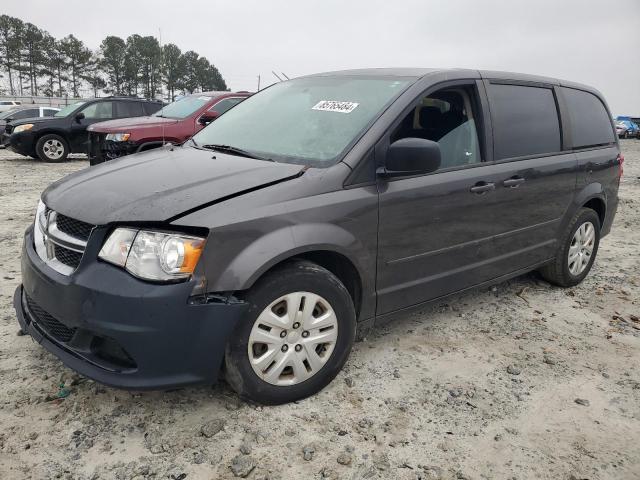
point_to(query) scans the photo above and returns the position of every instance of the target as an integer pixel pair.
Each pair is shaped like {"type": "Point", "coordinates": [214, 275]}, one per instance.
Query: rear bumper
{"type": "Point", "coordinates": [120, 331]}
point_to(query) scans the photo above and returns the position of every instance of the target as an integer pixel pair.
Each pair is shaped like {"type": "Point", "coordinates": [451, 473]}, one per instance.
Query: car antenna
{"type": "Point", "coordinates": [162, 63]}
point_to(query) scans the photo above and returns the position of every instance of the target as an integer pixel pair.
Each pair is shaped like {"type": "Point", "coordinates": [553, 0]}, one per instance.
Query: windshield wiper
{"type": "Point", "coordinates": [234, 151]}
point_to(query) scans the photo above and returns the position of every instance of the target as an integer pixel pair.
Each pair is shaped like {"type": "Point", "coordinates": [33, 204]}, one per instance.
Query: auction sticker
{"type": "Point", "coordinates": [335, 106]}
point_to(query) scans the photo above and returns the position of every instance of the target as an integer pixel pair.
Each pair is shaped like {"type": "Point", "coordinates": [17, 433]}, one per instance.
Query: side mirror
{"type": "Point", "coordinates": [207, 117]}
{"type": "Point", "coordinates": [79, 116]}
{"type": "Point", "coordinates": [411, 156]}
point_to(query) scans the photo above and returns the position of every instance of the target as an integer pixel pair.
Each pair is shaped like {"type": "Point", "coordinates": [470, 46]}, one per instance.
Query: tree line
{"type": "Point", "coordinates": [33, 62]}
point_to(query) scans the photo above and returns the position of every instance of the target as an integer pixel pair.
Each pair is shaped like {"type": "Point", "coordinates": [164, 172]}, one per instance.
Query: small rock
{"type": "Point", "coordinates": [455, 392]}
{"type": "Point", "coordinates": [242, 466]}
{"type": "Point", "coordinates": [349, 381]}
{"type": "Point", "coordinates": [344, 459]}
{"type": "Point", "coordinates": [307, 452]}
{"type": "Point", "coordinates": [20, 333]}
{"type": "Point", "coordinates": [513, 370]}
{"type": "Point", "coordinates": [498, 437]}
{"type": "Point", "coordinates": [396, 373]}
{"type": "Point", "coordinates": [582, 401]}
{"type": "Point", "coordinates": [212, 427]}
{"type": "Point", "coordinates": [549, 360]}
{"type": "Point", "coordinates": [432, 472]}
{"type": "Point", "coordinates": [245, 449]}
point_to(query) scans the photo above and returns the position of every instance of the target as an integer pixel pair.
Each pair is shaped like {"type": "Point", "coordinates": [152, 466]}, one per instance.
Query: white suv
{"type": "Point", "coordinates": [6, 105]}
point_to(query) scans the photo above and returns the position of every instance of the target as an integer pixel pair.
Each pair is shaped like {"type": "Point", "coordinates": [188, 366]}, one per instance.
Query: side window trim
{"type": "Point", "coordinates": [482, 126]}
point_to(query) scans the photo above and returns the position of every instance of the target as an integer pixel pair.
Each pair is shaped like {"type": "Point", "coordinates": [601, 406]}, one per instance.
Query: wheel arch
{"type": "Point", "coordinates": [332, 248]}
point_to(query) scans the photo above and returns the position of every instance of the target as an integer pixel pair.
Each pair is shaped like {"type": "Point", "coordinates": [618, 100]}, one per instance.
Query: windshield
{"type": "Point", "coordinates": [183, 108]}
{"type": "Point", "coordinates": [309, 121]}
{"type": "Point", "coordinates": [68, 109]}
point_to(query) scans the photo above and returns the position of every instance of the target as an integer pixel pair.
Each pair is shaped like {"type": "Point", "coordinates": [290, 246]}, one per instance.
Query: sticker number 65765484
{"type": "Point", "coordinates": [335, 106]}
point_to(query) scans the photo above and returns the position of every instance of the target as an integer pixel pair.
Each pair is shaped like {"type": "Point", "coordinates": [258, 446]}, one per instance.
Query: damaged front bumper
{"type": "Point", "coordinates": [121, 331]}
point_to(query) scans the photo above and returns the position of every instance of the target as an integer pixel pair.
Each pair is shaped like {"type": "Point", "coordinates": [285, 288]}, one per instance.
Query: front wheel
{"type": "Point", "coordinates": [297, 335]}
{"type": "Point", "coordinates": [52, 148]}
{"type": "Point", "coordinates": [576, 251]}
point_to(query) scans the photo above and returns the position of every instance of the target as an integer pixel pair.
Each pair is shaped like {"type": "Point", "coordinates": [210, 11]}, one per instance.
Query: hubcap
{"type": "Point", "coordinates": [581, 248]}
{"type": "Point", "coordinates": [301, 352]}
{"type": "Point", "coordinates": [53, 149]}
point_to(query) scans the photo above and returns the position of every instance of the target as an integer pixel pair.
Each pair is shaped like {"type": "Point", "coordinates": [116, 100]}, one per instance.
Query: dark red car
{"type": "Point", "coordinates": [175, 123]}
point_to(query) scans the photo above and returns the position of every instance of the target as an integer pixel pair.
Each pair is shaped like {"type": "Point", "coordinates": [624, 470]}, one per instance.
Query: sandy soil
{"type": "Point", "coordinates": [522, 380]}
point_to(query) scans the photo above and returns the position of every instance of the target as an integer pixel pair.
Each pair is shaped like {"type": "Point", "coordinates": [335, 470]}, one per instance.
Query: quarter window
{"type": "Point", "coordinates": [525, 121]}
{"type": "Point", "coordinates": [447, 117]}
{"type": "Point", "coordinates": [590, 122]}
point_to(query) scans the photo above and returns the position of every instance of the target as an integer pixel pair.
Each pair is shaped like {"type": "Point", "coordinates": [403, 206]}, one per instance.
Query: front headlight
{"type": "Point", "coordinates": [150, 255]}
{"type": "Point", "coordinates": [118, 137]}
{"type": "Point", "coordinates": [23, 128]}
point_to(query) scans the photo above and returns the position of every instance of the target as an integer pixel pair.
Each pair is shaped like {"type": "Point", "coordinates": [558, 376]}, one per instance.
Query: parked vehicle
{"type": "Point", "coordinates": [6, 105]}
{"type": "Point", "coordinates": [174, 123]}
{"type": "Point", "coordinates": [621, 130]}
{"type": "Point", "coordinates": [314, 208]}
{"type": "Point", "coordinates": [52, 139]}
{"type": "Point", "coordinates": [633, 130]}
{"type": "Point", "coordinates": [20, 113]}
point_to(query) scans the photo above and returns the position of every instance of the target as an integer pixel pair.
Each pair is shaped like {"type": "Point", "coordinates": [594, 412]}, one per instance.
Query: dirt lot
{"type": "Point", "coordinates": [522, 380]}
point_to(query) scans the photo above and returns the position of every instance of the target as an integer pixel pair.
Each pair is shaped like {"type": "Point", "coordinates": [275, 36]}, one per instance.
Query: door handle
{"type": "Point", "coordinates": [482, 187]}
{"type": "Point", "coordinates": [513, 182]}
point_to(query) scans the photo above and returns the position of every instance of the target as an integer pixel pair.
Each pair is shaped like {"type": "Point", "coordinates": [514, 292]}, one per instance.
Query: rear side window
{"type": "Point", "coordinates": [151, 108]}
{"type": "Point", "coordinates": [590, 122]}
{"type": "Point", "coordinates": [48, 112]}
{"type": "Point", "coordinates": [129, 109]}
{"type": "Point", "coordinates": [525, 121]}
{"type": "Point", "coordinates": [32, 112]}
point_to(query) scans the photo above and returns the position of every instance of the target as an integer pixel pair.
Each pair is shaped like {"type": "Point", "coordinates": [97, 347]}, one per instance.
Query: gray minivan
{"type": "Point", "coordinates": [315, 208]}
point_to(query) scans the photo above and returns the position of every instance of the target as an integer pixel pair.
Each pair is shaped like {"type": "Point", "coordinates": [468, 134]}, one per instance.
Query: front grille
{"type": "Point", "coordinates": [60, 240]}
{"type": "Point", "coordinates": [68, 257]}
{"type": "Point", "coordinates": [75, 228]}
{"type": "Point", "coordinates": [48, 324]}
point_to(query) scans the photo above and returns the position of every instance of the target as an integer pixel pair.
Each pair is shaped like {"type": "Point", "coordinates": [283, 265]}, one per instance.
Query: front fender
{"type": "Point", "coordinates": [272, 248]}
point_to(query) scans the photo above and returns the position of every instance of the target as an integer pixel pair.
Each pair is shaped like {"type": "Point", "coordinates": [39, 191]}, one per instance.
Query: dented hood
{"type": "Point", "coordinates": [160, 184]}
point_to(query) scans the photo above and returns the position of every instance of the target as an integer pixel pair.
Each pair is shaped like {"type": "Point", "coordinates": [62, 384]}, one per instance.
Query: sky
{"type": "Point", "coordinates": [596, 42]}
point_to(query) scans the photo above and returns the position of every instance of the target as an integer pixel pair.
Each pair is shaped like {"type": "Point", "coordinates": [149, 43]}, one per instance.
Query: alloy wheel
{"type": "Point", "coordinates": [581, 248]}
{"type": "Point", "coordinates": [53, 149]}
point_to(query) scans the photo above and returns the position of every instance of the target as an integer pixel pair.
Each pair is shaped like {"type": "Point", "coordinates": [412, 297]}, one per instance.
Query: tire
{"type": "Point", "coordinates": [277, 385]}
{"type": "Point", "coordinates": [559, 271]}
{"type": "Point", "coordinates": [52, 148]}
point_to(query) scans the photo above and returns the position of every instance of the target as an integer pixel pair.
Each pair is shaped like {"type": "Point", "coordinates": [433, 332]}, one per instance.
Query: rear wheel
{"type": "Point", "coordinates": [52, 148]}
{"type": "Point", "coordinates": [576, 251]}
{"type": "Point", "coordinates": [297, 336]}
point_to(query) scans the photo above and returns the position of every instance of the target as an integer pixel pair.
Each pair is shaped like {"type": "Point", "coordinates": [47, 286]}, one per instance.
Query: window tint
{"type": "Point", "coordinates": [590, 122]}
{"type": "Point", "coordinates": [445, 117]}
{"type": "Point", "coordinates": [129, 109]}
{"type": "Point", "coordinates": [525, 121]}
{"type": "Point", "coordinates": [99, 110]}
{"type": "Point", "coordinates": [152, 107]}
{"type": "Point", "coordinates": [31, 112]}
{"type": "Point", "coordinates": [225, 104]}
{"type": "Point", "coordinates": [48, 112]}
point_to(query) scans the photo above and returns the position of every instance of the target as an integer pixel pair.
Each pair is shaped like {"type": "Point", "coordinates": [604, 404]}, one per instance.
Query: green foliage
{"type": "Point", "coordinates": [33, 62]}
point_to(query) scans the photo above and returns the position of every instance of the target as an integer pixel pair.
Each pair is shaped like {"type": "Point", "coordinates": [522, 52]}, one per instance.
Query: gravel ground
{"type": "Point", "coordinates": [521, 380]}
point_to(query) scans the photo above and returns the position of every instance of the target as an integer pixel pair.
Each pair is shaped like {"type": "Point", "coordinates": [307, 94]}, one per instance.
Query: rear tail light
{"type": "Point", "coordinates": [620, 165]}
